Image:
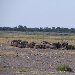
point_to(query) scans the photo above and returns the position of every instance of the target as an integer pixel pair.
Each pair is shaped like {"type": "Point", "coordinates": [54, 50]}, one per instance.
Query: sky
{"type": "Point", "coordinates": [37, 13]}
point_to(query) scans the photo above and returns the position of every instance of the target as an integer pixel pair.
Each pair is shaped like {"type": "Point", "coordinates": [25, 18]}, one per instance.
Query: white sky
{"type": "Point", "coordinates": [37, 13]}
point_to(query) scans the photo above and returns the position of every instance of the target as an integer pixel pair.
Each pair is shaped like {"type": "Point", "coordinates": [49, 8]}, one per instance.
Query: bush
{"type": "Point", "coordinates": [63, 67]}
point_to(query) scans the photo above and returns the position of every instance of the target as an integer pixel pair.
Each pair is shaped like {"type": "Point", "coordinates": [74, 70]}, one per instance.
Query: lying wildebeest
{"type": "Point", "coordinates": [19, 43]}
{"type": "Point", "coordinates": [70, 47]}
{"type": "Point", "coordinates": [22, 44]}
{"type": "Point", "coordinates": [51, 46]}
{"type": "Point", "coordinates": [15, 42]}
{"type": "Point", "coordinates": [47, 45]}
{"type": "Point", "coordinates": [37, 46]}
{"type": "Point", "coordinates": [31, 45]}
{"type": "Point", "coordinates": [64, 44]}
{"type": "Point", "coordinates": [45, 42]}
{"type": "Point", "coordinates": [57, 45]}
{"type": "Point", "coordinates": [40, 46]}
{"type": "Point", "coordinates": [25, 43]}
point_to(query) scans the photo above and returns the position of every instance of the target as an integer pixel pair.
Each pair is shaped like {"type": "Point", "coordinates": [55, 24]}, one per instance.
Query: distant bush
{"type": "Point", "coordinates": [63, 67]}
{"type": "Point", "coordinates": [41, 29]}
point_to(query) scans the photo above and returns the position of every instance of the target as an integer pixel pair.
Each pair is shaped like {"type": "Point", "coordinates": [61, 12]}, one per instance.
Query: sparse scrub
{"type": "Point", "coordinates": [63, 67]}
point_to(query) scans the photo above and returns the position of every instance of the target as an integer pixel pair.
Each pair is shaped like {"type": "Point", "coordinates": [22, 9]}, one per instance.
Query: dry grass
{"type": "Point", "coordinates": [8, 53]}
{"type": "Point", "coordinates": [71, 53]}
{"type": "Point", "coordinates": [37, 37]}
{"type": "Point", "coordinates": [7, 37]}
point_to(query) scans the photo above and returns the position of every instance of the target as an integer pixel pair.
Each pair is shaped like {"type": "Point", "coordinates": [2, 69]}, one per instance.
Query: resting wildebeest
{"type": "Point", "coordinates": [31, 45]}
{"type": "Point", "coordinates": [40, 46]}
{"type": "Point", "coordinates": [37, 46]}
{"type": "Point", "coordinates": [22, 44]}
{"type": "Point", "coordinates": [64, 44]}
{"type": "Point", "coordinates": [57, 45]}
{"type": "Point", "coordinates": [45, 42]}
{"type": "Point", "coordinates": [15, 42]}
{"type": "Point", "coordinates": [67, 46]}
{"type": "Point", "coordinates": [70, 47]}
{"type": "Point", "coordinates": [19, 43]}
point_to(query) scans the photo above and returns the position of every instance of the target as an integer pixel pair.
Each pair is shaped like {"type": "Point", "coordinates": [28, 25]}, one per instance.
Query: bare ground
{"type": "Point", "coordinates": [22, 61]}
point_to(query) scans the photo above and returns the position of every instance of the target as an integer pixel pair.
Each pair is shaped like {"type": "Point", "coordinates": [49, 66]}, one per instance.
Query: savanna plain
{"type": "Point", "coordinates": [31, 61]}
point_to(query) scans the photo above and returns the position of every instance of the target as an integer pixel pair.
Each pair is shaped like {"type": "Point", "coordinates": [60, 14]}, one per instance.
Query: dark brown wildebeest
{"type": "Point", "coordinates": [31, 45]}
{"type": "Point", "coordinates": [64, 44]}
{"type": "Point", "coordinates": [22, 44]}
{"type": "Point", "coordinates": [15, 42]}
{"type": "Point", "coordinates": [40, 46]}
{"type": "Point", "coordinates": [12, 42]}
{"type": "Point", "coordinates": [57, 45]}
{"type": "Point", "coordinates": [70, 47]}
{"type": "Point", "coordinates": [67, 46]}
{"type": "Point", "coordinates": [19, 43]}
{"type": "Point", "coordinates": [45, 42]}
{"type": "Point", "coordinates": [37, 46]}
{"type": "Point", "coordinates": [25, 43]}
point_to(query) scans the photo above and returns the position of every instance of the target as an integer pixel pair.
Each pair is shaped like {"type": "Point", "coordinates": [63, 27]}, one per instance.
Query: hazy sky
{"type": "Point", "coordinates": [37, 13]}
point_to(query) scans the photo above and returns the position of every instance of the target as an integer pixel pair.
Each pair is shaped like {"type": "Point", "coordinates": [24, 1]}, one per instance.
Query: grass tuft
{"type": "Point", "coordinates": [63, 67]}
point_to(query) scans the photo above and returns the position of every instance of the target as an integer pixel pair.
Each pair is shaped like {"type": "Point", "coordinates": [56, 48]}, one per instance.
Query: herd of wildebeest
{"type": "Point", "coordinates": [42, 45]}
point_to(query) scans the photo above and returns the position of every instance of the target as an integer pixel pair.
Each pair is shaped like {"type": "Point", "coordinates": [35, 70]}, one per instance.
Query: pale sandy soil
{"type": "Point", "coordinates": [21, 61]}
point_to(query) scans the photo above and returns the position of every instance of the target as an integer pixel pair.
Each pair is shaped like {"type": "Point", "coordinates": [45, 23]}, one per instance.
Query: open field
{"type": "Point", "coordinates": [36, 36]}
{"type": "Point", "coordinates": [30, 61]}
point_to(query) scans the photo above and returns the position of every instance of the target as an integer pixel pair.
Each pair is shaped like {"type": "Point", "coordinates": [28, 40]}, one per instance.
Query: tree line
{"type": "Point", "coordinates": [46, 29]}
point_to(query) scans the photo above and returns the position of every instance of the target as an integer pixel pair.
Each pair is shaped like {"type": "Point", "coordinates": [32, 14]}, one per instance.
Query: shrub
{"type": "Point", "coordinates": [63, 67]}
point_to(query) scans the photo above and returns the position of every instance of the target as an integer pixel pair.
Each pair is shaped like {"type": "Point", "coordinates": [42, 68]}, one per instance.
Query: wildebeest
{"type": "Point", "coordinates": [19, 43]}
{"type": "Point", "coordinates": [70, 47]}
{"type": "Point", "coordinates": [57, 45]}
{"type": "Point", "coordinates": [31, 45]}
{"type": "Point", "coordinates": [51, 46]}
{"type": "Point", "coordinates": [40, 46]}
{"type": "Point", "coordinates": [22, 44]}
{"type": "Point", "coordinates": [45, 42]}
{"type": "Point", "coordinates": [15, 42]}
{"type": "Point", "coordinates": [64, 44]}
{"type": "Point", "coordinates": [37, 46]}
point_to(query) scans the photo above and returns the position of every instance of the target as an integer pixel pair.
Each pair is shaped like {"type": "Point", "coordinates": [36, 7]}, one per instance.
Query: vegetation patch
{"type": "Point", "coordinates": [7, 53]}
{"type": "Point", "coordinates": [63, 67]}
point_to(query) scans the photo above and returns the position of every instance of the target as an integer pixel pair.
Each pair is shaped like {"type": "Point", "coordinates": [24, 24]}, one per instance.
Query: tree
{"type": "Point", "coordinates": [20, 28]}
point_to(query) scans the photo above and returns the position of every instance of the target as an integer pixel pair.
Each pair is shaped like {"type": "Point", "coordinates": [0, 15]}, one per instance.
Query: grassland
{"type": "Point", "coordinates": [34, 61]}
{"type": "Point", "coordinates": [36, 36]}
